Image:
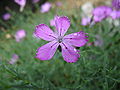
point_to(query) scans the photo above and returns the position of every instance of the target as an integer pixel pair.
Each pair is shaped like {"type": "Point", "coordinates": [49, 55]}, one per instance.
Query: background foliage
{"type": "Point", "coordinates": [98, 68]}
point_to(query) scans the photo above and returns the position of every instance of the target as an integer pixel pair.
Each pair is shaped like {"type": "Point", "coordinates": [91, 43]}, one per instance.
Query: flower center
{"type": "Point", "coordinates": [60, 39]}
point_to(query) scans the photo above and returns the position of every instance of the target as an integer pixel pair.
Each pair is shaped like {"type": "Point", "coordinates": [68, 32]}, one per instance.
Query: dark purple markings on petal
{"type": "Point", "coordinates": [69, 53]}
{"type": "Point", "coordinates": [54, 44]}
{"type": "Point", "coordinates": [44, 32]}
{"type": "Point", "coordinates": [60, 31]}
{"type": "Point", "coordinates": [65, 46]}
{"type": "Point", "coordinates": [77, 39]}
{"type": "Point", "coordinates": [47, 51]}
{"type": "Point", "coordinates": [52, 36]}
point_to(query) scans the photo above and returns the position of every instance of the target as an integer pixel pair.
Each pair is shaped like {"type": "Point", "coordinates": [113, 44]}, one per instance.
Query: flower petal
{"type": "Point", "coordinates": [44, 32]}
{"type": "Point", "coordinates": [62, 24]}
{"type": "Point", "coordinates": [47, 51]}
{"type": "Point", "coordinates": [69, 53]}
{"type": "Point", "coordinates": [45, 7]}
{"type": "Point", "coordinates": [77, 39]}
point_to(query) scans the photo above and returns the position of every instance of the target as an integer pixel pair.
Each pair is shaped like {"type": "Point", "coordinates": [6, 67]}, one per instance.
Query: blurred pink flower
{"type": "Point", "coordinates": [35, 1]}
{"type": "Point", "coordinates": [14, 59]}
{"type": "Point", "coordinates": [58, 3]}
{"type": "Point", "coordinates": [45, 7]}
{"type": "Point", "coordinates": [116, 4]}
{"type": "Point", "coordinates": [115, 14]}
{"type": "Point", "coordinates": [22, 4]}
{"type": "Point", "coordinates": [85, 21]}
{"type": "Point", "coordinates": [101, 13]}
{"type": "Point", "coordinates": [90, 44]}
{"type": "Point", "coordinates": [58, 38]}
{"type": "Point", "coordinates": [99, 41]}
{"type": "Point", "coordinates": [6, 16]}
{"type": "Point", "coordinates": [20, 34]}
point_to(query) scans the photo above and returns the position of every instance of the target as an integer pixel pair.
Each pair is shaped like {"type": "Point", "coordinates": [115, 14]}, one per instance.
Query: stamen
{"type": "Point", "coordinates": [60, 39]}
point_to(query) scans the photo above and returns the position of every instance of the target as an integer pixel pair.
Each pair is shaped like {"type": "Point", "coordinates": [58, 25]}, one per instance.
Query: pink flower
{"type": "Point", "coordinates": [22, 4]}
{"type": "Point", "coordinates": [116, 4]}
{"type": "Point", "coordinates": [45, 7]}
{"type": "Point", "coordinates": [98, 42]}
{"type": "Point", "coordinates": [115, 14]}
{"type": "Point", "coordinates": [85, 21]}
{"type": "Point", "coordinates": [20, 34]}
{"type": "Point", "coordinates": [101, 13]}
{"type": "Point", "coordinates": [14, 59]}
{"type": "Point", "coordinates": [57, 38]}
{"type": "Point", "coordinates": [90, 44]}
{"type": "Point", "coordinates": [6, 16]}
{"type": "Point", "coordinates": [35, 1]}
{"type": "Point", "coordinates": [58, 3]}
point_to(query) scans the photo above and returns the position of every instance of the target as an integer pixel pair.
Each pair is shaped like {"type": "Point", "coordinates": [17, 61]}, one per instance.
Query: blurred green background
{"type": "Point", "coordinates": [98, 68]}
